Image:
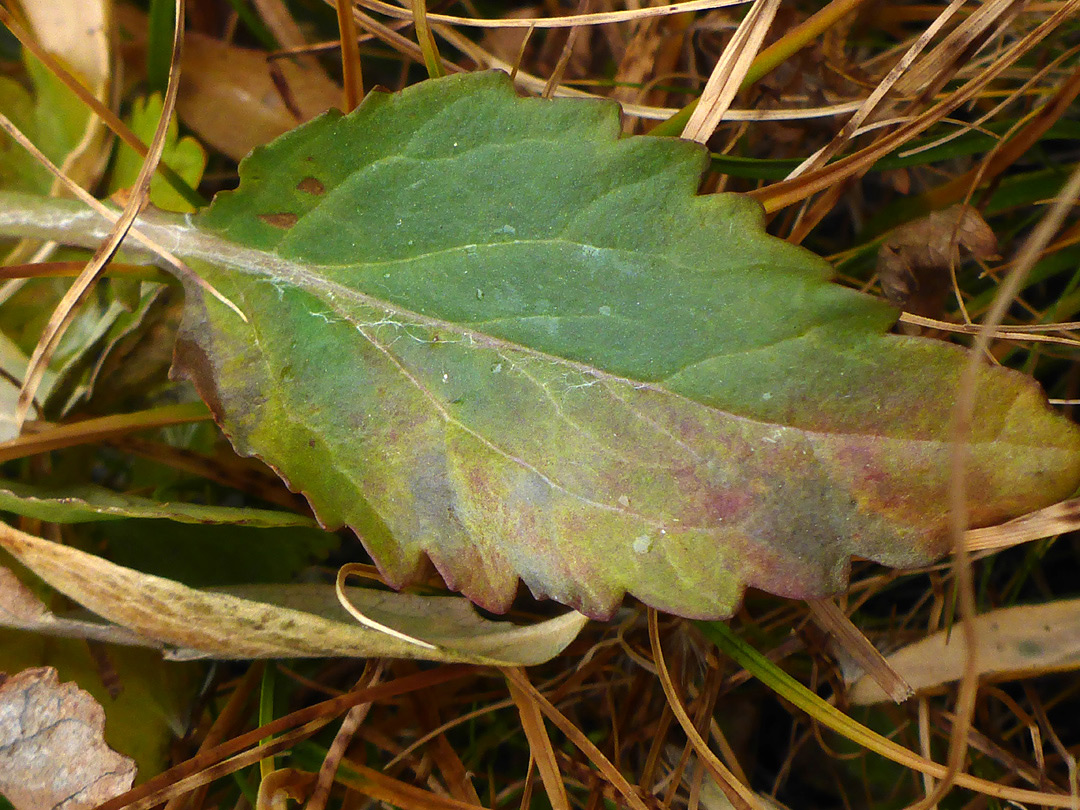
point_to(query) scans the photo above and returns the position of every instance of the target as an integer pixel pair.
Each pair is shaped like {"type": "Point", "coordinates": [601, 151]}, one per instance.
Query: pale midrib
{"type": "Point", "coordinates": [198, 244]}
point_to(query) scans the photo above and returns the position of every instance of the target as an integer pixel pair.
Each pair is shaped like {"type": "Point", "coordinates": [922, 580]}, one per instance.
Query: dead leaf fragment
{"type": "Point", "coordinates": [78, 32]}
{"type": "Point", "coordinates": [282, 621]}
{"type": "Point", "coordinates": [229, 96]}
{"type": "Point", "coordinates": [1013, 642]}
{"type": "Point", "coordinates": [22, 610]}
{"type": "Point", "coordinates": [915, 260]}
{"type": "Point", "coordinates": [53, 754]}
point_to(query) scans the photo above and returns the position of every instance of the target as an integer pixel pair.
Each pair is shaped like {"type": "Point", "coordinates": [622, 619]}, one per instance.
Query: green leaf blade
{"type": "Point", "coordinates": [485, 331]}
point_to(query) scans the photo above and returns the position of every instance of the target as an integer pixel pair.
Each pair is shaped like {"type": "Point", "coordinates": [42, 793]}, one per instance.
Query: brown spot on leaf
{"type": "Point", "coordinates": [311, 185]}
{"type": "Point", "coordinates": [283, 220]}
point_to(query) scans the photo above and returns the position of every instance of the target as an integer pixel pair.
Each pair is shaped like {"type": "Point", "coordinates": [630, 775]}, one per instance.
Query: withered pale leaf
{"type": "Point", "coordinates": [1013, 642]}
{"type": "Point", "coordinates": [221, 625]}
{"type": "Point", "coordinates": [22, 610]}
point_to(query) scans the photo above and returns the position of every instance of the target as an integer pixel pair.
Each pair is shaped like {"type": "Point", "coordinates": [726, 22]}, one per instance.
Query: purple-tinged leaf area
{"type": "Point", "coordinates": [487, 331]}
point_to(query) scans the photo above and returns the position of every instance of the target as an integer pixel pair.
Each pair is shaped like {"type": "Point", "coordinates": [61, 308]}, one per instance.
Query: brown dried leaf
{"type": "Point", "coordinates": [53, 754]}
{"type": "Point", "coordinates": [914, 261]}
{"type": "Point", "coordinates": [229, 96]}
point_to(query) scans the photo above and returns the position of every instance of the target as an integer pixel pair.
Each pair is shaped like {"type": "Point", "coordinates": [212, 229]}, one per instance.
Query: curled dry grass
{"type": "Point", "coordinates": [845, 121]}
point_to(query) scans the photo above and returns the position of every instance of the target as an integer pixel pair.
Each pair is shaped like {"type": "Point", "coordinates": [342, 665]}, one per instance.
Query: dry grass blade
{"type": "Point", "coordinates": [833, 620]}
{"type": "Point", "coordinates": [564, 57]}
{"type": "Point", "coordinates": [107, 116]}
{"type": "Point", "coordinates": [1053, 520]}
{"type": "Point", "coordinates": [575, 735]}
{"type": "Point", "coordinates": [962, 414]}
{"type": "Point", "coordinates": [224, 724]}
{"type": "Point", "coordinates": [1014, 97]}
{"type": "Point", "coordinates": [567, 21]}
{"type": "Point", "coordinates": [393, 792]}
{"type": "Point", "coordinates": [396, 41]}
{"type": "Point", "coordinates": [852, 125]}
{"type": "Point", "coordinates": [729, 72]}
{"type": "Point", "coordinates": [320, 793]}
{"type": "Point", "coordinates": [543, 753]}
{"type": "Point", "coordinates": [318, 714]}
{"type": "Point", "coordinates": [88, 431]}
{"type": "Point", "coordinates": [76, 294]}
{"type": "Point", "coordinates": [787, 192]}
{"type": "Point", "coordinates": [1007, 333]}
{"type": "Point", "coordinates": [1017, 142]}
{"type": "Point", "coordinates": [957, 48]}
{"type": "Point", "coordinates": [231, 765]}
{"type": "Point", "coordinates": [535, 84]}
{"type": "Point", "coordinates": [740, 796]}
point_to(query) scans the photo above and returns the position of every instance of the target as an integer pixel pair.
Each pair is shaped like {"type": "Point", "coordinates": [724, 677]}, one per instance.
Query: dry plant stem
{"type": "Point", "coordinates": [352, 77]}
{"type": "Point", "coordinates": [575, 735]}
{"type": "Point", "coordinates": [394, 793]}
{"type": "Point", "coordinates": [568, 21]}
{"type": "Point", "coordinates": [730, 71]}
{"type": "Point", "coordinates": [396, 41]}
{"type": "Point", "coordinates": [527, 788]}
{"type": "Point", "coordinates": [1008, 333]}
{"type": "Point", "coordinates": [319, 712]}
{"type": "Point", "coordinates": [1013, 97]}
{"type": "Point", "coordinates": [1012, 146]}
{"type": "Point", "coordinates": [225, 767]}
{"type": "Point", "coordinates": [962, 414]}
{"type": "Point", "coordinates": [787, 192]}
{"type": "Point", "coordinates": [806, 33]}
{"type": "Point", "coordinates": [919, 77]}
{"type": "Point", "coordinates": [740, 796]}
{"type": "Point", "coordinates": [100, 429]}
{"type": "Point", "coordinates": [80, 288]}
{"type": "Point", "coordinates": [957, 48]}
{"type": "Point", "coordinates": [107, 116]}
{"type": "Point", "coordinates": [924, 743]}
{"type": "Point", "coordinates": [534, 84]}
{"type": "Point", "coordinates": [449, 724]}
{"type": "Point", "coordinates": [564, 57]}
{"type": "Point", "coordinates": [320, 794]}
{"type": "Point", "coordinates": [833, 620]}
{"type": "Point", "coordinates": [224, 724]}
{"type": "Point", "coordinates": [540, 748]}
{"type": "Point", "coordinates": [847, 132]}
